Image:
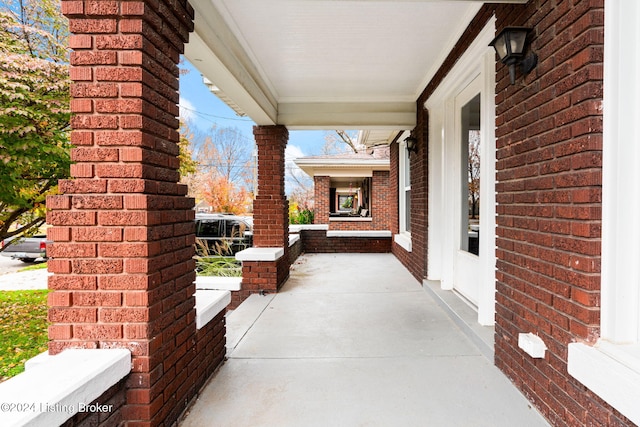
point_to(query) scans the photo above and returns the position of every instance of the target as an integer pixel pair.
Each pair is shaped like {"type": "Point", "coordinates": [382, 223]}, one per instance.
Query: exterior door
{"type": "Point", "coordinates": [462, 162]}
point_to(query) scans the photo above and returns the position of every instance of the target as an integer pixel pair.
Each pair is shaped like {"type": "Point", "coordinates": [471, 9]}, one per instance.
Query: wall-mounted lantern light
{"type": "Point", "coordinates": [510, 45]}
{"type": "Point", "coordinates": [412, 144]}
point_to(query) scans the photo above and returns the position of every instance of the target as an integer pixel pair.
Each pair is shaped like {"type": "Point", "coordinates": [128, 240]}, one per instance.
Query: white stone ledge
{"type": "Point", "coordinates": [210, 303]}
{"type": "Point", "coordinates": [403, 241]}
{"type": "Point", "coordinates": [55, 388]}
{"type": "Point", "coordinates": [293, 238]}
{"type": "Point", "coordinates": [218, 283]}
{"type": "Point", "coordinates": [611, 371]}
{"type": "Point", "coordinates": [260, 254]}
{"type": "Point", "coordinates": [359, 233]}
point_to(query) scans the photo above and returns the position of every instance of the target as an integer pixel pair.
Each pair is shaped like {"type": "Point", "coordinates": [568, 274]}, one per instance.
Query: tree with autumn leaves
{"type": "Point", "coordinates": [34, 111]}
{"type": "Point", "coordinates": [224, 175]}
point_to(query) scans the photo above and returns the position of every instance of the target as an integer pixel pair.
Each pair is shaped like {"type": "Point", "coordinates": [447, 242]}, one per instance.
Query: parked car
{"type": "Point", "coordinates": [222, 234]}
{"type": "Point", "coordinates": [26, 249]}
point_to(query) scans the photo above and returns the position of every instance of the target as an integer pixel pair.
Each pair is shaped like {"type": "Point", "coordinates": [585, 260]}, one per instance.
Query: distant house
{"type": "Point", "coordinates": [350, 189]}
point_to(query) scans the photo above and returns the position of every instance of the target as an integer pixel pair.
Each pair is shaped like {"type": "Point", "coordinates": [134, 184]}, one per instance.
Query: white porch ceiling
{"type": "Point", "coordinates": [326, 64]}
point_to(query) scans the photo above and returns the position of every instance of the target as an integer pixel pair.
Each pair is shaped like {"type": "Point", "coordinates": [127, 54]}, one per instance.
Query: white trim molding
{"type": "Point", "coordinates": [611, 367]}
{"type": "Point", "coordinates": [477, 63]}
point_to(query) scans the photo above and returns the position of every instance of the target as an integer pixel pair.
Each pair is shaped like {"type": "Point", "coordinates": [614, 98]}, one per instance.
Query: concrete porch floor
{"type": "Point", "coordinates": [354, 340]}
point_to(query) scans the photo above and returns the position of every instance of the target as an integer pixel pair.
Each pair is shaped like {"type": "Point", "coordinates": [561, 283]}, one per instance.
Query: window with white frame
{"type": "Point", "coordinates": [611, 367]}
{"type": "Point", "coordinates": [404, 183]}
{"type": "Point", "coordinates": [405, 190]}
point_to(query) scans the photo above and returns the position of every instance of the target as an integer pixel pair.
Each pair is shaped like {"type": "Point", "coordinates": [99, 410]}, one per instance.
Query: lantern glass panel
{"type": "Point", "coordinates": [517, 42]}
{"type": "Point", "coordinates": [501, 47]}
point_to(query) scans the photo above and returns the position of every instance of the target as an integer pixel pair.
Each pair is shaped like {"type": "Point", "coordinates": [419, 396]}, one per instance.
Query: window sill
{"type": "Point", "coordinates": [351, 219]}
{"type": "Point", "coordinates": [404, 241]}
{"type": "Point", "coordinates": [611, 371]}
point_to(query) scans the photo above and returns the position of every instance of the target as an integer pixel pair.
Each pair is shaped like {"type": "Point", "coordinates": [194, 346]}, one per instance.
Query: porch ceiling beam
{"type": "Point", "coordinates": [217, 53]}
{"type": "Point", "coordinates": [347, 115]}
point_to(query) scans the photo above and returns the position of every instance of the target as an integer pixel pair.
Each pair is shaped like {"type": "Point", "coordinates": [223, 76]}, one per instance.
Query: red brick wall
{"type": "Point", "coordinates": [316, 241]}
{"type": "Point", "coordinates": [381, 205]}
{"type": "Point", "coordinates": [115, 397]}
{"type": "Point", "coordinates": [321, 196]}
{"type": "Point", "coordinates": [415, 261]}
{"type": "Point", "coordinates": [270, 215]}
{"type": "Point", "coordinates": [122, 228]}
{"type": "Point", "coordinates": [271, 207]}
{"type": "Point", "coordinates": [549, 200]}
{"type": "Point", "coordinates": [549, 171]}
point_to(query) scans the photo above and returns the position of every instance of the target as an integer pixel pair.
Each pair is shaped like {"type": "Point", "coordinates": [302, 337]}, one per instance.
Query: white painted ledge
{"type": "Point", "coordinates": [55, 388]}
{"type": "Point", "coordinates": [403, 241]}
{"type": "Point", "coordinates": [611, 371]}
{"type": "Point", "coordinates": [293, 238]}
{"type": "Point", "coordinates": [359, 233]}
{"type": "Point", "coordinates": [260, 254]}
{"type": "Point", "coordinates": [218, 283]}
{"type": "Point", "coordinates": [210, 303]}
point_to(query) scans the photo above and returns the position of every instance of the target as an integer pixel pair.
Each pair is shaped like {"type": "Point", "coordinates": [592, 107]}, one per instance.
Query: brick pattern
{"type": "Point", "coordinates": [414, 261]}
{"type": "Point", "coordinates": [321, 196]}
{"type": "Point", "coordinates": [122, 228]}
{"type": "Point", "coordinates": [271, 207]}
{"type": "Point", "coordinates": [549, 173]}
{"type": "Point", "coordinates": [115, 397]}
{"type": "Point", "coordinates": [270, 215]}
{"type": "Point", "coordinates": [316, 241]}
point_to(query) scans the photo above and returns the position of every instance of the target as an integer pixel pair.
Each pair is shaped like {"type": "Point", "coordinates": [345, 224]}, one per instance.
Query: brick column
{"type": "Point", "coordinates": [321, 202]}
{"type": "Point", "coordinates": [270, 216]}
{"type": "Point", "coordinates": [123, 228]}
{"type": "Point", "coordinates": [271, 208]}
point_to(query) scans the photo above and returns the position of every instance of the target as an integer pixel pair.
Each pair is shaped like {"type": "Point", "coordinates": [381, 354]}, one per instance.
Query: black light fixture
{"type": "Point", "coordinates": [510, 46]}
{"type": "Point", "coordinates": [412, 144]}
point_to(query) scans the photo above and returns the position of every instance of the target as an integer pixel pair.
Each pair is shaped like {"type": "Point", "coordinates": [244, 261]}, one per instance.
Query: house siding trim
{"type": "Point", "coordinates": [611, 367]}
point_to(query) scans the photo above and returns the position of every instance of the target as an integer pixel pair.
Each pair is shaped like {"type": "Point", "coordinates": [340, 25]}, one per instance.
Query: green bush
{"type": "Point", "coordinates": [218, 266]}
{"type": "Point", "coordinates": [301, 217]}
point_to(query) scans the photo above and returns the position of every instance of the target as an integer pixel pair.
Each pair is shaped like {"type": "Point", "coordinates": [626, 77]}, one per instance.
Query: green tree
{"type": "Point", "coordinates": [34, 111]}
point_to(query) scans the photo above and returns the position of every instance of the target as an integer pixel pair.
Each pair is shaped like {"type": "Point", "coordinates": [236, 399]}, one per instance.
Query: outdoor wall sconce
{"type": "Point", "coordinates": [510, 45]}
{"type": "Point", "coordinates": [412, 144]}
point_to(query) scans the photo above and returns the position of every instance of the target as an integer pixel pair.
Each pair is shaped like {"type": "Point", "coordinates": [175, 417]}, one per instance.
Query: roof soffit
{"type": "Point", "coordinates": [320, 64]}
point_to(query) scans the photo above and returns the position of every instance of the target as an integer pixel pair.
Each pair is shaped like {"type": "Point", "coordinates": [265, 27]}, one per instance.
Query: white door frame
{"type": "Point", "coordinates": [477, 62]}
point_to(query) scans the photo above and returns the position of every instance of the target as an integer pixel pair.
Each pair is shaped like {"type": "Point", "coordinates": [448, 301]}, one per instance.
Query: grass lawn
{"type": "Point", "coordinates": [23, 329]}
{"type": "Point", "coordinates": [37, 266]}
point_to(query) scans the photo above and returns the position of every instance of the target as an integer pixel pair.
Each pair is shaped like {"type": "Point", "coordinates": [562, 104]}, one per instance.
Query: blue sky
{"type": "Point", "coordinates": [205, 110]}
